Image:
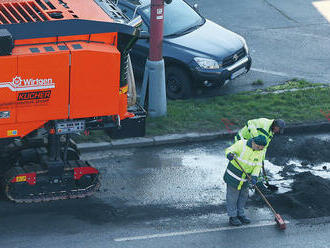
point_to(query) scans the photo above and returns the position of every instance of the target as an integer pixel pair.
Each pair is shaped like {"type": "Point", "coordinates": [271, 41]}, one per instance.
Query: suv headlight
{"type": "Point", "coordinates": [244, 44]}
{"type": "Point", "coordinates": [207, 63]}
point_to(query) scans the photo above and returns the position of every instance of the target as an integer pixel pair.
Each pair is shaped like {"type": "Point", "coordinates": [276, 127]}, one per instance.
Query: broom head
{"type": "Point", "coordinates": [280, 222]}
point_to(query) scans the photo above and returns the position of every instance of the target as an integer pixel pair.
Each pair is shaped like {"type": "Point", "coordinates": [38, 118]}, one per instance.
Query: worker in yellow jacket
{"type": "Point", "coordinates": [250, 155]}
{"type": "Point", "coordinates": [261, 126]}
{"type": "Point", "coordinates": [265, 127]}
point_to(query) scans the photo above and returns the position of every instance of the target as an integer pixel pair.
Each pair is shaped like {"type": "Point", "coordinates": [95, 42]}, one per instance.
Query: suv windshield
{"type": "Point", "coordinates": [179, 18]}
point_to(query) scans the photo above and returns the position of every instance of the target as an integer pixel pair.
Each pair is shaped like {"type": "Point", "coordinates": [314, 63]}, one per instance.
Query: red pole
{"type": "Point", "coordinates": [156, 30]}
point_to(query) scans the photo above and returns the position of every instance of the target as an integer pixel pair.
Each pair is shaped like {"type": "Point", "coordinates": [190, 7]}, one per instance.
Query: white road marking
{"type": "Point", "coordinates": [162, 235]}
{"type": "Point", "coordinates": [270, 72]}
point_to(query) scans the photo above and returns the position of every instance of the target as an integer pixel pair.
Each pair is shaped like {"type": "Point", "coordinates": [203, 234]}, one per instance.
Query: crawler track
{"type": "Point", "coordinates": [32, 183]}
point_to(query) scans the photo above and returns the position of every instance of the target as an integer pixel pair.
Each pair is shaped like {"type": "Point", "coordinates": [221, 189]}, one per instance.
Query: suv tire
{"type": "Point", "coordinates": [178, 83]}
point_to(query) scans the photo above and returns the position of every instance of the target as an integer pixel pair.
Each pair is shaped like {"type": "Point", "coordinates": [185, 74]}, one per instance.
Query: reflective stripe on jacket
{"type": "Point", "coordinates": [249, 159]}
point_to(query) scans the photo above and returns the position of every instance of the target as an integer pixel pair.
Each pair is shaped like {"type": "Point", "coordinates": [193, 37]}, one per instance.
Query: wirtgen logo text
{"type": "Point", "coordinates": [19, 84]}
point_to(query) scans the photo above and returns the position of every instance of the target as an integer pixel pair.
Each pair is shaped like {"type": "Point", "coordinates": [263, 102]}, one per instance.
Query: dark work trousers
{"type": "Point", "coordinates": [236, 200]}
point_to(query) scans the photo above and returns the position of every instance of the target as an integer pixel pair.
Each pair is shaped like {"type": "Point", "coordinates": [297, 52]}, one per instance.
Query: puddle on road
{"type": "Point", "coordinates": [191, 176]}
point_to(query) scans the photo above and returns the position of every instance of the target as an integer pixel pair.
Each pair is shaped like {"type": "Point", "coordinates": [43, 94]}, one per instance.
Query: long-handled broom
{"type": "Point", "coordinates": [280, 222]}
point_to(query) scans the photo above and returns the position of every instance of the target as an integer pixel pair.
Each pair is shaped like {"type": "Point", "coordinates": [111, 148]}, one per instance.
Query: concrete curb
{"type": "Point", "coordinates": [193, 137]}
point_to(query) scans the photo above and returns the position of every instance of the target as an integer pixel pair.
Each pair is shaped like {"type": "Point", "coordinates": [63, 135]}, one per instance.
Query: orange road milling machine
{"type": "Point", "coordinates": [63, 70]}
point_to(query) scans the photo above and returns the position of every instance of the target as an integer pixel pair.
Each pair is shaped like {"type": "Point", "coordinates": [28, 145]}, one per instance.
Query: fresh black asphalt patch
{"type": "Point", "coordinates": [309, 196]}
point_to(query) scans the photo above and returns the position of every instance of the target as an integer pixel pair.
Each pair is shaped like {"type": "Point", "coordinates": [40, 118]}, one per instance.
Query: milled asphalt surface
{"type": "Point", "coordinates": [193, 137]}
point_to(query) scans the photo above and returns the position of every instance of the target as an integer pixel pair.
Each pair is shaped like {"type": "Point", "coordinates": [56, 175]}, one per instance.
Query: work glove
{"type": "Point", "coordinates": [230, 156]}
{"type": "Point", "coordinates": [254, 180]}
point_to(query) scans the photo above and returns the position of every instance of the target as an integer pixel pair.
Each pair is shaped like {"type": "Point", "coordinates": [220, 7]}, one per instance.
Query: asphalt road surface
{"type": "Point", "coordinates": [168, 196]}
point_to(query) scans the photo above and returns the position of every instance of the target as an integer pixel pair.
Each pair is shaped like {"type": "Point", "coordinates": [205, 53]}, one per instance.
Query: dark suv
{"type": "Point", "coordinates": [197, 52]}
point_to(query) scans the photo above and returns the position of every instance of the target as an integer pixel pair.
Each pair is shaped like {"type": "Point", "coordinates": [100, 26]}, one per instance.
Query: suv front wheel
{"type": "Point", "coordinates": [178, 83]}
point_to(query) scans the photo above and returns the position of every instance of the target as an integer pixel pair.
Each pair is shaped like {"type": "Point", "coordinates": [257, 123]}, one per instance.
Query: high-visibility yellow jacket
{"type": "Point", "coordinates": [255, 127]}
{"type": "Point", "coordinates": [249, 159]}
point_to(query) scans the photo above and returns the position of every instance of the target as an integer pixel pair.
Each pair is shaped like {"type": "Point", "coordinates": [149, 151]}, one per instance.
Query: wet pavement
{"type": "Point", "coordinates": [190, 176]}
{"type": "Point", "coordinates": [167, 190]}
{"type": "Point", "coordinates": [182, 176]}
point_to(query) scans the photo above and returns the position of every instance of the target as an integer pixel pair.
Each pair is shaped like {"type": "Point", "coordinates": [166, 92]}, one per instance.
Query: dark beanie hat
{"type": "Point", "coordinates": [260, 140]}
{"type": "Point", "coordinates": [281, 124]}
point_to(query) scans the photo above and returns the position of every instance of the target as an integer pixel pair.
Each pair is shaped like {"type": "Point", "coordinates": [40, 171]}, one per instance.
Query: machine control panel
{"type": "Point", "coordinates": [69, 127]}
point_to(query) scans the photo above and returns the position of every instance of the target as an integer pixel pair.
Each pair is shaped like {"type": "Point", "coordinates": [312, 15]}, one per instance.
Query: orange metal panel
{"type": "Point", "coordinates": [44, 92]}
{"type": "Point", "coordinates": [35, 41]}
{"type": "Point", "coordinates": [19, 129]}
{"type": "Point", "coordinates": [85, 37]}
{"type": "Point", "coordinates": [110, 38]}
{"type": "Point", "coordinates": [8, 71]}
{"type": "Point", "coordinates": [74, 37]}
{"type": "Point", "coordinates": [94, 84]}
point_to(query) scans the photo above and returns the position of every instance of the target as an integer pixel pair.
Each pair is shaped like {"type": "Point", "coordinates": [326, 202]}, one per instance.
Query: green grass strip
{"type": "Point", "coordinates": [232, 111]}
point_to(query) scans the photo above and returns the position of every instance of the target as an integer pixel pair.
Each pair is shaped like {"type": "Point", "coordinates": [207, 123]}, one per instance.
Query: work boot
{"type": "Point", "coordinates": [244, 219]}
{"type": "Point", "coordinates": [234, 221]}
